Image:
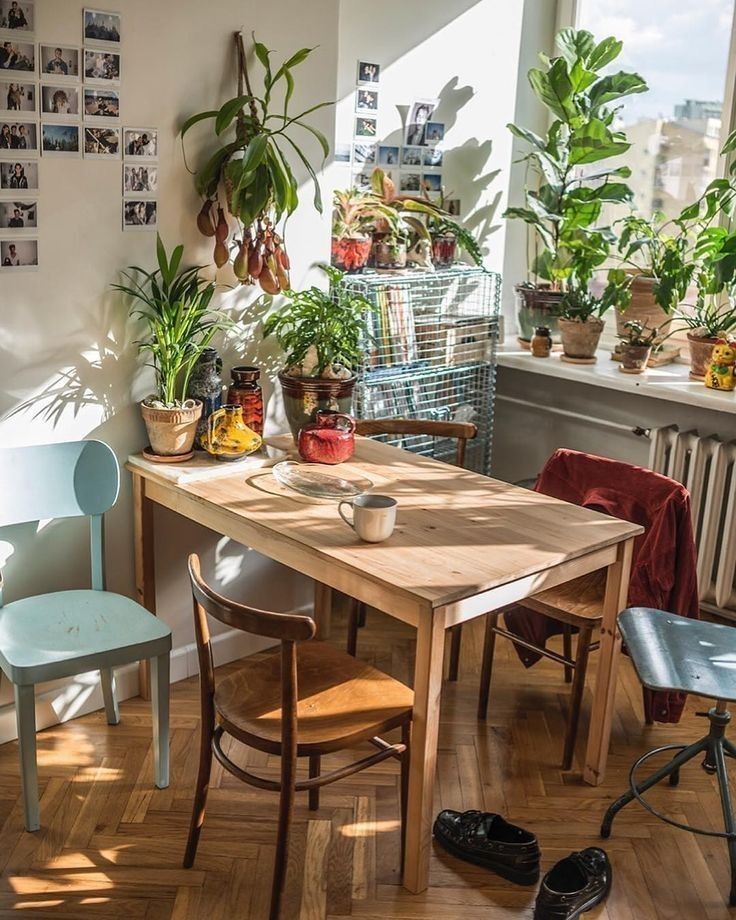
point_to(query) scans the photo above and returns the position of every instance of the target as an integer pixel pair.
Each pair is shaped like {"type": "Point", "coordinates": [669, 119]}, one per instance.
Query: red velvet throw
{"type": "Point", "coordinates": [663, 573]}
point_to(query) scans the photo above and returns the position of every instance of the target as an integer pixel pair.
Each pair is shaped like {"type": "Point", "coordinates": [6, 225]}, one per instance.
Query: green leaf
{"type": "Point", "coordinates": [575, 45]}
{"type": "Point", "coordinates": [594, 142]}
{"type": "Point", "coordinates": [310, 170]}
{"type": "Point", "coordinates": [254, 153]}
{"type": "Point", "coordinates": [201, 116]}
{"type": "Point", "coordinates": [548, 94]}
{"type": "Point", "coordinates": [615, 86]}
{"type": "Point", "coordinates": [319, 135]}
{"type": "Point", "coordinates": [529, 136]}
{"type": "Point", "coordinates": [730, 143]}
{"type": "Point", "coordinates": [604, 52]}
{"type": "Point", "coordinates": [228, 112]}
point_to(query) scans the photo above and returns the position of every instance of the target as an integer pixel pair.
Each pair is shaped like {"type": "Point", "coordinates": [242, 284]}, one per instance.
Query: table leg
{"type": "Point", "coordinates": [145, 569]}
{"type": "Point", "coordinates": [604, 697]}
{"type": "Point", "coordinates": [428, 672]}
{"type": "Point", "coordinates": [323, 598]}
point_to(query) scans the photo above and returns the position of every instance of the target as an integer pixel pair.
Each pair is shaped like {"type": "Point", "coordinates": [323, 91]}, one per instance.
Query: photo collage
{"type": "Point", "coordinates": [414, 165]}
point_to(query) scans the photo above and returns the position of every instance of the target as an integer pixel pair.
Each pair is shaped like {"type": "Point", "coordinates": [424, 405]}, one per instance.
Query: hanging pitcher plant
{"type": "Point", "coordinates": [248, 185]}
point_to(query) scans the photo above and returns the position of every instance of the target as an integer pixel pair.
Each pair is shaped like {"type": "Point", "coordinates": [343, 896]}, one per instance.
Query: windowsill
{"type": "Point", "coordinates": [671, 382]}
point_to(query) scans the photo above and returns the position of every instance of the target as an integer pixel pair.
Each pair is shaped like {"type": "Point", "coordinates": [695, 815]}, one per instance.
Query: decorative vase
{"type": "Point", "coordinates": [389, 253]}
{"type": "Point", "coordinates": [351, 254]}
{"type": "Point", "coordinates": [580, 340]}
{"type": "Point", "coordinates": [171, 431]}
{"type": "Point", "coordinates": [245, 391]}
{"type": "Point", "coordinates": [634, 358]}
{"type": "Point", "coordinates": [303, 396]}
{"type": "Point", "coordinates": [205, 384]}
{"type": "Point", "coordinates": [537, 306]}
{"type": "Point", "coordinates": [444, 250]}
{"type": "Point", "coordinates": [330, 438]}
{"type": "Point", "coordinates": [227, 436]}
{"type": "Point", "coordinates": [701, 348]}
{"type": "Point", "coordinates": [644, 309]}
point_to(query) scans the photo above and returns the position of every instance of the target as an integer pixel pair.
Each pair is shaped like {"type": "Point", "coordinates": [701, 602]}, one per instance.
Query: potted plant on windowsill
{"type": "Point", "coordinates": [174, 304]}
{"type": "Point", "coordinates": [636, 346]}
{"type": "Point", "coordinates": [322, 333]}
{"type": "Point", "coordinates": [562, 208]}
{"type": "Point", "coordinates": [580, 319]}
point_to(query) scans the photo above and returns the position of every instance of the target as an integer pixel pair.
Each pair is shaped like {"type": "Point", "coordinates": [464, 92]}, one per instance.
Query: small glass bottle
{"type": "Point", "coordinates": [245, 391]}
{"type": "Point", "coordinates": [541, 342]}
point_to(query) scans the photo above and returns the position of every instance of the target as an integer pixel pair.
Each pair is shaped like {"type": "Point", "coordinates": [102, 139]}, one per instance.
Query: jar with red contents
{"type": "Point", "coordinates": [245, 391]}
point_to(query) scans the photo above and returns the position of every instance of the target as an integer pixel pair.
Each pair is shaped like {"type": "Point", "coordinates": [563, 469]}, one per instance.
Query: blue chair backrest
{"type": "Point", "coordinates": [72, 479]}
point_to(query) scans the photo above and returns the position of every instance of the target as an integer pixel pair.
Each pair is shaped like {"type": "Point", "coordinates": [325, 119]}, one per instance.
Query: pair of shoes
{"type": "Point", "coordinates": [574, 885]}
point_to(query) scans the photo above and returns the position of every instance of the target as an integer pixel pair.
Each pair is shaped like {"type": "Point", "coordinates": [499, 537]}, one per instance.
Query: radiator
{"type": "Point", "coordinates": [707, 467]}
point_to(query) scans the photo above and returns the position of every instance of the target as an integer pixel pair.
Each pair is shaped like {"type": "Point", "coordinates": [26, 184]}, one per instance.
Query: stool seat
{"type": "Point", "coordinates": [671, 652]}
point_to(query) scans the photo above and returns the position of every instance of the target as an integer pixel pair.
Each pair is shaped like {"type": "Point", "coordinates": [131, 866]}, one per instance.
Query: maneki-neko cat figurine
{"type": "Point", "coordinates": [720, 373]}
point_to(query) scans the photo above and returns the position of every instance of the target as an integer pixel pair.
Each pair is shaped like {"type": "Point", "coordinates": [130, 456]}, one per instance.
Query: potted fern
{"type": "Point", "coordinates": [174, 304]}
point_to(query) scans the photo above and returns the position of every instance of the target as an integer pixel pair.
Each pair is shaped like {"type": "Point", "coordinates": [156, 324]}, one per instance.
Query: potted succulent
{"type": "Point", "coordinates": [174, 304]}
{"type": "Point", "coordinates": [563, 207]}
{"type": "Point", "coordinates": [580, 320]}
{"type": "Point", "coordinates": [636, 346]}
{"type": "Point", "coordinates": [250, 175]}
{"type": "Point", "coordinates": [354, 214]}
{"type": "Point", "coordinates": [322, 333]}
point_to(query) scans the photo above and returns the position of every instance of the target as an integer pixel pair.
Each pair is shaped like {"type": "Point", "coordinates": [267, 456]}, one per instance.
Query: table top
{"type": "Point", "coordinates": [457, 533]}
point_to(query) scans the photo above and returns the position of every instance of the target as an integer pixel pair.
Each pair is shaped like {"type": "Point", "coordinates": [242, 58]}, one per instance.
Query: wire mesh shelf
{"type": "Point", "coordinates": [431, 354]}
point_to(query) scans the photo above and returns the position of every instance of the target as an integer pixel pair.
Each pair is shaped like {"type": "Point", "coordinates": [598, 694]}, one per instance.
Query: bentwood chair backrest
{"type": "Point", "coordinates": [71, 479]}
{"type": "Point", "coordinates": [461, 431]}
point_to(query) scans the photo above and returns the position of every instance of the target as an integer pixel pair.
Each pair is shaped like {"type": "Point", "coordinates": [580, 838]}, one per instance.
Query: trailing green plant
{"type": "Point", "coordinates": [321, 328]}
{"type": "Point", "coordinates": [563, 206]}
{"type": "Point", "coordinates": [174, 304]}
{"type": "Point", "coordinates": [250, 173]}
{"type": "Point", "coordinates": [440, 226]}
{"type": "Point", "coordinates": [638, 335]}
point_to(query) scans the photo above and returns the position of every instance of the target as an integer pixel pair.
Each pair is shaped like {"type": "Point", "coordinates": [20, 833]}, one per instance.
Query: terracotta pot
{"type": "Point", "coordinates": [644, 309]}
{"type": "Point", "coordinates": [351, 254]}
{"type": "Point", "coordinates": [634, 358]}
{"type": "Point", "coordinates": [389, 254]}
{"type": "Point", "coordinates": [701, 347]}
{"type": "Point", "coordinates": [303, 396]}
{"type": "Point", "coordinates": [171, 431]}
{"type": "Point", "coordinates": [537, 306]}
{"type": "Point", "coordinates": [580, 340]}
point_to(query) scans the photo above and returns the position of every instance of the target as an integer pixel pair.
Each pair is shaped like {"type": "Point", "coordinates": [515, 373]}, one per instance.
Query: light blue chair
{"type": "Point", "coordinates": [52, 636]}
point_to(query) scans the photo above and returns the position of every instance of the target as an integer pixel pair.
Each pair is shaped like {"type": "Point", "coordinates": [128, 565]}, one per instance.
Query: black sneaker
{"type": "Point", "coordinates": [576, 884]}
{"type": "Point", "coordinates": [488, 840]}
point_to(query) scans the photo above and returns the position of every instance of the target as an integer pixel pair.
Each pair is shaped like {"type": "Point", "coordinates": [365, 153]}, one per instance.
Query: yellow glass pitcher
{"type": "Point", "coordinates": [227, 436]}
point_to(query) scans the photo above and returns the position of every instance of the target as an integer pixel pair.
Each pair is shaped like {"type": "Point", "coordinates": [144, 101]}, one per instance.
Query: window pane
{"type": "Point", "coordinates": [681, 50]}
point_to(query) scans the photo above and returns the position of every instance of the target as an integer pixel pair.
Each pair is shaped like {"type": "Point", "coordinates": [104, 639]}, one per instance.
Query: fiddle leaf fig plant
{"type": "Point", "coordinates": [247, 183]}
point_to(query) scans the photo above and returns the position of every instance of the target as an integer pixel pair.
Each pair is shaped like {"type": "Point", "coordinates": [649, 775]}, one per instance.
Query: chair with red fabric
{"type": "Point", "coordinates": [663, 576]}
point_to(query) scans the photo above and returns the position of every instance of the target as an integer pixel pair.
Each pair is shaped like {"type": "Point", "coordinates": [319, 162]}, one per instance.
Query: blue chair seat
{"type": "Point", "coordinates": [56, 635]}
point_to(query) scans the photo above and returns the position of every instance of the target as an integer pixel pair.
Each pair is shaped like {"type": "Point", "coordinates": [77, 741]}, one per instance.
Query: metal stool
{"type": "Point", "coordinates": [674, 653]}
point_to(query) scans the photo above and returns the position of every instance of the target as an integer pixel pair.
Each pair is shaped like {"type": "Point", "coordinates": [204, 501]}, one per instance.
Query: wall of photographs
{"type": "Point", "coordinates": [60, 100]}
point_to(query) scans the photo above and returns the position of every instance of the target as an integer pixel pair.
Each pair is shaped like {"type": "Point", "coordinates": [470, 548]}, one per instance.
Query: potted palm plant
{"type": "Point", "coordinates": [636, 346]}
{"type": "Point", "coordinates": [247, 184]}
{"type": "Point", "coordinates": [174, 304]}
{"type": "Point", "coordinates": [322, 333]}
{"type": "Point", "coordinates": [572, 180]}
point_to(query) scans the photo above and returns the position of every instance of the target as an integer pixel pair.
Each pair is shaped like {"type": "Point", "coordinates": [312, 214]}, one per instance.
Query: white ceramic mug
{"type": "Point", "coordinates": [374, 516]}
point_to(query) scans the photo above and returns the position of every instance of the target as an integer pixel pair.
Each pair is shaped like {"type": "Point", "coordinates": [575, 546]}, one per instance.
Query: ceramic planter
{"type": "Point", "coordinates": [634, 358]}
{"type": "Point", "coordinates": [171, 431]}
{"type": "Point", "coordinates": [303, 396]}
{"type": "Point", "coordinates": [644, 309]}
{"type": "Point", "coordinates": [444, 250]}
{"type": "Point", "coordinates": [351, 254]}
{"type": "Point", "coordinates": [389, 253]}
{"type": "Point", "coordinates": [580, 340]}
{"type": "Point", "coordinates": [537, 307]}
{"type": "Point", "coordinates": [701, 347]}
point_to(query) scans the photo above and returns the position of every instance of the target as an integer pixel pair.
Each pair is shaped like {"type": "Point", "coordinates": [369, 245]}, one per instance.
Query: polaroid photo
{"type": "Point", "coordinates": [366, 127]}
{"type": "Point", "coordinates": [432, 182]}
{"type": "Point", "coordinates": [366, 100]}
{"type": "Point", "coordinates": [101, 66]}
{"type": "Point", "coordinates": [18, 255]}
{"type": "Point", "coordinates": [341, 153]}
{"type": "Point", "coordinates": [17, 57]}
{"type": "Point", "coordinates": [59, 62]}
{"type": "Point", "coordinates": [18, 216]}
{"type": "Point", "coordinates": [140, 143]}
{"type": "Point", "coordinates": [410, 182]}
{"type": "Point", "coordinates": [364, 153]}
{"type": "Point", "coordinates": [60, 100]}
{"type": "Point", "coordinates": [411, 156]}
{"type": "Point", "coordinates": [101, 103]}
{"type": "Point", "coordinates": [60, 140]}
{"type": "Point", "coordinates": [140, 179]}
{"type": "Point", "coordinates": [18, 97]}
{"type": "Point", "coordinates": [139, 214]}
{"type": "Point", "coordinates": [368, 73]}
{"type": "Point", "coordinates": [416, 122]}
{"type": "Point", "coordinates": [18, 176]}
{"type": "Point", "coordinates": [101, 27]}
{"type": "Point", "coordinates": [362, 180]}
{"type": "Point", "coordinates": [18, 138]}
{"type": "Point", "coordinates": [432, 157]}
{"type": "Point", "coordinates": [101, 143]}
{"type": "Point", "coordinates": [388, 156]}
{"type": "Point", "coordinates": [435, 132]}
{"type": "Point", "coordinates": [17, 16]}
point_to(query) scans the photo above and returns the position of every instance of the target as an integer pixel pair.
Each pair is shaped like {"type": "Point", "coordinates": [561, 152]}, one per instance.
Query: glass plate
{"type": "Point", "coordinates": [308, 479]}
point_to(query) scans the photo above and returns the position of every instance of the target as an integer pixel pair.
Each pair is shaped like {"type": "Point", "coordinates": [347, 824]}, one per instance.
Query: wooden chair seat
{"type": "Point", "coordinates": [341, 701]}
{"type": "Point", "coordinates": [578, 602]}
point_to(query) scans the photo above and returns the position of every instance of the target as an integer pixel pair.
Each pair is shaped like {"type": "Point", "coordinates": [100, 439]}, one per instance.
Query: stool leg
{"type": "Point", "coordinates": [615, 807]}
{"type": "Point", "coordinates": [314, 770]}
{"type": "Point", "coordinates": [355, 609]}
{"type": "Point", "coordinates": [567, 649]}
{"type": "Point", "coordinates": [486, 671]}
{"type": "Point", "coordinates": [576, 696]}
{"type": "Point", "coordinates": [728, 820]}
{"type": "Point", "coordinates": [456, 635]}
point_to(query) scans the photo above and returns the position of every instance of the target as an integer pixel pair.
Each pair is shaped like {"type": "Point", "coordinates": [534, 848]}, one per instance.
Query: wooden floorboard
{"type": "Point", "coordinates": [110, 845]}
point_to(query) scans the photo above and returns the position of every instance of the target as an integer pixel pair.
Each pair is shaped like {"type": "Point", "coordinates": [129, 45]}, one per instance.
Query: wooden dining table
{"type": "Point", "coordinates": [464, 545]}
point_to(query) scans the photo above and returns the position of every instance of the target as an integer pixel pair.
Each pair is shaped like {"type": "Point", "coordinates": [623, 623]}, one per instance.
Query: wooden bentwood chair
{"type": "Point", "coordinates": [462, 432]}
{"type": "Point", "coordinates": [305, 700]}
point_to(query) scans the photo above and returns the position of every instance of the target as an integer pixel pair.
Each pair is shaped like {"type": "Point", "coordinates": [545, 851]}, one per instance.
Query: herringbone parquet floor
{"type": "Point", "coordinates": [111, 846]}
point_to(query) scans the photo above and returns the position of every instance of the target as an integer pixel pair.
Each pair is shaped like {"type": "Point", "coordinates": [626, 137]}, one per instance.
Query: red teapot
{"type": "Point", "coordinates": [330, 438]}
